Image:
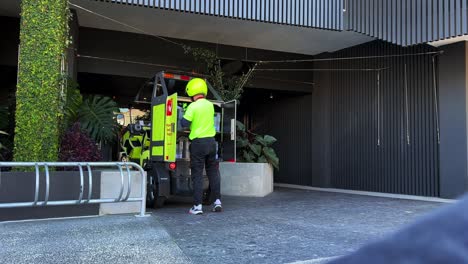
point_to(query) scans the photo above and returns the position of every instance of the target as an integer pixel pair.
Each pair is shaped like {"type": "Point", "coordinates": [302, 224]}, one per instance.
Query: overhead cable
{"type": "Point", "coordinates": [176, 67]}
{"type": "Point", "coordinates": [129, 61]}
{"type": "Point", "coordinates": [126, 25]}
{"type": "Point", "coordinates": [340, 70]}
{"type": "Point", "coordinates": [257, 61]}
{"type": "Point", "coordinates": [355, 58]}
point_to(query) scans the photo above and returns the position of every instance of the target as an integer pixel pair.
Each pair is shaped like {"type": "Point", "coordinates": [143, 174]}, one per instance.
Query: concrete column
{"type": "Point", "coordinates": [320, 109]}
{"type": "Point", "coordinates": [43, 32]}
{"type": "Point", "coordinates": [453, 105]}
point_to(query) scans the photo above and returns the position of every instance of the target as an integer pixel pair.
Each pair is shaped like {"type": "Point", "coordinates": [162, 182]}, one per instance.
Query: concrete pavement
{"type": "Point", "coordinates": [288, 226]}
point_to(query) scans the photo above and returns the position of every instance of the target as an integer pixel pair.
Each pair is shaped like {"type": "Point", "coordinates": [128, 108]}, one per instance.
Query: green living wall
{"type": "Point", "coordinates": [39, 96]}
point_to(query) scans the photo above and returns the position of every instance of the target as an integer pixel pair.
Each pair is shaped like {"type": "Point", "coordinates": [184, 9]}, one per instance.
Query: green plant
{"type": "Point", "coordinates": [71, 104]}
{"type": "Point", "coordinates": [145, 117]}
{"type": "Point", "coordinates": [7, 124]}
{"type": "Point", "coordinates": [229, 87]}
{"type": "Point", "coordinates": [252, 147]}
{"type": "Point", "coordinates": [76, 145]}
{"type": "Point", "coordinates": [43, 41]}
{"type": "Point", "coordinates": [4, 124]}
{"type": "Point", "coordinates": [4, 117]}
{"type": "Point", "coordinates": [1, 145]}
{"type": "Point", "coordinates": [95, 113]}
{"type": "Point", "coordinates": [97, 116]}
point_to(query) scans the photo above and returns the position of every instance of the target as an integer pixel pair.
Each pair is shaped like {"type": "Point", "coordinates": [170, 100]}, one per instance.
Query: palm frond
{"type": "Point", "coordinates": [97, 116]}
{"type": "Point", "coordinates": [1, 145]}
{"type": "Point", "coordinates": [72, 105]}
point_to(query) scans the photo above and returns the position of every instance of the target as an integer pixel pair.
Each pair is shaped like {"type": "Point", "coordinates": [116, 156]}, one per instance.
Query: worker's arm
{"type": "Point", "coordinates": [188, 117]}
{"type": "Point", "coordinates": [185, 123]}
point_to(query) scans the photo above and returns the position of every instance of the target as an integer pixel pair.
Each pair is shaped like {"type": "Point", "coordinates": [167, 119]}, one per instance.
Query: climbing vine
{"type": "Point", "coordinates": [229, 87]}
{"type": "Point", "coordinates": [43, 40]}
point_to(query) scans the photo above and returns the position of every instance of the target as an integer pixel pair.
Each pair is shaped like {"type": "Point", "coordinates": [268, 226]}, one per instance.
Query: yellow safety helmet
{"type": "Point", "coordinates": [196, 86]}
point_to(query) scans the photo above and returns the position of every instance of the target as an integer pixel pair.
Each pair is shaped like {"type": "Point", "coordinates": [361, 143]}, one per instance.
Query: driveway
{"type": "Point", "coordinates": [287, 226]}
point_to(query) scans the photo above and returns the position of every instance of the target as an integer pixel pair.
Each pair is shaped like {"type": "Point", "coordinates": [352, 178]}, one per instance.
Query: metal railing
{"type": "Point", "coordinates": [81, 199]}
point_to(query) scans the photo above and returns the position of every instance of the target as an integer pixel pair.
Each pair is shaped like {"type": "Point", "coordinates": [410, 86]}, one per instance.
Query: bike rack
{"type": "Point", "coordinates": [81, 199]}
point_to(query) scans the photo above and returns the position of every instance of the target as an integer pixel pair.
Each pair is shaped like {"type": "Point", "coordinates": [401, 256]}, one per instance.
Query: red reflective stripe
{"type": "Point", "coordinates": [177, 77]}
{"type": "Point", "coordinates": [169, 76]}
{"type": "Point", "coordinates": [169, 108]}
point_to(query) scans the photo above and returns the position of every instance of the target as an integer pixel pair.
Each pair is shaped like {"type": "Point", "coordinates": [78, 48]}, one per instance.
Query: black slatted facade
{"type": "Point", "coordinates": [408, 22]}
{"type": "Point", "coordinates": [399, 22]}
{"type": "Point", "coordinates": [384, 123]}
{"type": "Point", "coordinates": [290, 121]}
{"type": "Point", "coordinates": [325, 14]}
{"type": "Point", "coordinates": [359, 129]}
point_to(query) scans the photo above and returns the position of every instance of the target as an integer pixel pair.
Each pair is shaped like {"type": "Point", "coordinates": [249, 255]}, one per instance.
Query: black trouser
{"type": "Point", "coordinates": [203, 155]}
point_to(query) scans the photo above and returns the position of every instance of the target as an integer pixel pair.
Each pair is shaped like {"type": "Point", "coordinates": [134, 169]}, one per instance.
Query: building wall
{"type": "Point", "coordinates": [289, 119]}
{"type": "Point", "coordinates": [408, 22]}
{"type": "Point", "coordinates": [453, 120]}
{"type": "Point", "coordinates": [305, 13]}
{"type": "Point", "coordinates": [384, 132]}
{"type": "Point", "coordinates": [400, 22]}
{"type": "Point", "coordinates": [137, 55]}
{"type": "Point", "coordinates": [352, 133]}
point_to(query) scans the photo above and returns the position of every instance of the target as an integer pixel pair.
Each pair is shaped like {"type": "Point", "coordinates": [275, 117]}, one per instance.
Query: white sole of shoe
{"type": "Point", "coordinates": [217, 209]}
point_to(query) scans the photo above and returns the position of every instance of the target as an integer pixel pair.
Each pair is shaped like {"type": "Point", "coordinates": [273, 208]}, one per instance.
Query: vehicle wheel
{"type": "Point", "coordinates": [153, 200]}
{"type": "Point", "coordinates": [159, 202]}
{"type": "Point", "coordinates": [151, 191]}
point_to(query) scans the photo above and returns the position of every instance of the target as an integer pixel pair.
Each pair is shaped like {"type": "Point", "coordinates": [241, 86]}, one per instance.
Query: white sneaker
{"type": "Point", "coordinates": [196, 210]}
{"type": "Point", "coordinates": [217, 207]}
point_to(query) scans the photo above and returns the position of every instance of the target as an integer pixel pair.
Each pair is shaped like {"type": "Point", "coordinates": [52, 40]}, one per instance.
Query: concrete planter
{"type": "Point", "coordinates": [246, 179]}
{"type": "Point", "coordinates": [64, 185]}
{"type": "Point", "coordinates": [110, 188]}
